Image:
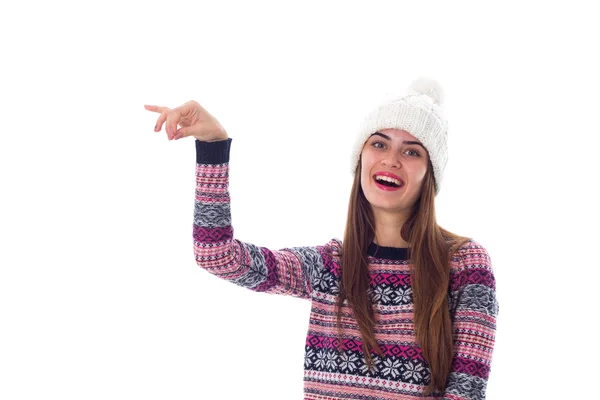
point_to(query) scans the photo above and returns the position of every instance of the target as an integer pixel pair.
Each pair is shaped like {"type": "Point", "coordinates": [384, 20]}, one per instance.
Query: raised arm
{"type": "Point", "coordinates": [474, 309]}
{"type": "Point", "coordinates": [289, 271]}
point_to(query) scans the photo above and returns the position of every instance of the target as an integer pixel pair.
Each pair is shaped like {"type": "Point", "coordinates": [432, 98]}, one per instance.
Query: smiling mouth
{"type": "Point", "coordinates": [387, 186]}
{"type": "Point", "coordinates": [388, 183]}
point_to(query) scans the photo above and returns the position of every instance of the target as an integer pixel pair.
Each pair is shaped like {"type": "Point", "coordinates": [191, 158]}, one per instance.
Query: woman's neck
{"type": "Point", "coordinates": [387, 232]}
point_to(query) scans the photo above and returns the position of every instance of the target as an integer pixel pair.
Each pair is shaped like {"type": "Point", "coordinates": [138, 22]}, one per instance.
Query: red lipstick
{"type": "Point", "coordinates": [390, 175]}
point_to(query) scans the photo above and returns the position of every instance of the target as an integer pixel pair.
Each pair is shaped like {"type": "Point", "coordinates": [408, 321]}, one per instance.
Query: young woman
{"type": "Point", "coordinates": [402, 308]}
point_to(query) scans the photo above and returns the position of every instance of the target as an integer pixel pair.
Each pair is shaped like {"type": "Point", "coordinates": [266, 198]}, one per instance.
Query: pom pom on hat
{"type": "Point", "coordinates": [428, 87]}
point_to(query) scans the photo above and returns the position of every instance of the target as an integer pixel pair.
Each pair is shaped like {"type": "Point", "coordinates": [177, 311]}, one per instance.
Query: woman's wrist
{"type": "Point", "coordinates": [216, 138]}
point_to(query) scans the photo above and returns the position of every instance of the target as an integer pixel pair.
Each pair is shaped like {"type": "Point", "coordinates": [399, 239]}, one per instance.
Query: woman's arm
{"type": "Point", "coordinates": [289, 271]}
{"type": "Point", "coordinates": [474, 309]}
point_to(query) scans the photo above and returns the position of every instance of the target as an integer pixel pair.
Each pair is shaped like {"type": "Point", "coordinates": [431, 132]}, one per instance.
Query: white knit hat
{"type": "Point", "coordinates": [419, 113]}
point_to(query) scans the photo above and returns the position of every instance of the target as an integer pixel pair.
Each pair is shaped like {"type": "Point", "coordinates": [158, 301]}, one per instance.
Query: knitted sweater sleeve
{"type": "Point", "coordinates": [288, 271]}
{"type": "Point", "coordinates": [474, 309]}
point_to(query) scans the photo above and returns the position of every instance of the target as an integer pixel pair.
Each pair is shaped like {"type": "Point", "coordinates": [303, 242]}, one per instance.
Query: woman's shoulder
{"type": "Point", "coordinates": [471, 261]}
{"type": "Point", "coordinates": [335, 246]}
{"type": "Point", "coordinates": [469, 251]}
{"type": "Point", "coordinates": [331, 254]}
{"type": "Point", "coordinates": [470, 246]}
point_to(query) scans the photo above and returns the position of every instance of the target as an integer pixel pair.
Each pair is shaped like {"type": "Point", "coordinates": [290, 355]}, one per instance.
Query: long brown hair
{"type": "Point", "coordinates": [430, 251]}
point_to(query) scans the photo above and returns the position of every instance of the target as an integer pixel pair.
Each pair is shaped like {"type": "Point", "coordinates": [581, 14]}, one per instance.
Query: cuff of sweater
{"type": "Point", "coordinates": [213, 152]}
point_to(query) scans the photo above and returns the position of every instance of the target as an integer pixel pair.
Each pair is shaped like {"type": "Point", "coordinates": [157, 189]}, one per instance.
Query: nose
{"type": "Point", "coordinates": [390, 161]}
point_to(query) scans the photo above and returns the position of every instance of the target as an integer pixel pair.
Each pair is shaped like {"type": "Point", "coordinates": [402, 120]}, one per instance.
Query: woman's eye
{"type": "Point", "coordinates": [381, 145]}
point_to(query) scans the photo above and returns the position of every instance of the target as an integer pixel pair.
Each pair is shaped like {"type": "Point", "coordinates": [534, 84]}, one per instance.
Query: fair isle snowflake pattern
{"type": "Point", "coordinates": [308, 356]}
{"type": "Point", "coordinates": [413, 372]}
{"type": "Point", "coordinates": [335, 287]}
{"type": "Point", "coordinates": [353, 362]}
{"type": "Point", "coordinates": [390, 368]}
{"type": "Point", "coordinates": [403, 296]}
{"type": "Point", "coordinates": [386, 294]}
{"type": "Point", "coordinates": [348, 362]}
{"type": "Point", "coordinates": [321, 359]}
{"type": "Point", "coordinates": [331, 360]}
{"type": "Point", "coordinates": [313, 273]}
{"type": "Point", "coordinates": [382, 294]}
{"type": "Point", "coordinates": [364, 368]}
{"type": "Point", "coordinates": [320, 281]}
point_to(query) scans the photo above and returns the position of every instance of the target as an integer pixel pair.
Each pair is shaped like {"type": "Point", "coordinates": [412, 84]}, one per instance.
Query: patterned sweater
{"type": "Point", "coordinates": [313, 273]}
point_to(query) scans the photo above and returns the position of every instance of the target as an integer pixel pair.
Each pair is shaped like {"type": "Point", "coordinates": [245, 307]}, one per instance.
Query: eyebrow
{"type": "Point", "coordinates": [404, 142]}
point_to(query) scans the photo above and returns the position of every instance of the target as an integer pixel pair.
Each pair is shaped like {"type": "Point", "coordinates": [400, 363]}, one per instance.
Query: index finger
{"type": "Point", "coordinates": [157, 109]}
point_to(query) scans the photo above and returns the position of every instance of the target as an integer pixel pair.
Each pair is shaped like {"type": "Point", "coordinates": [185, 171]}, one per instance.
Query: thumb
{"type": "Point", "coordinates": [182, 132]}
{"type": "Point", "coordinates": [194, 130]}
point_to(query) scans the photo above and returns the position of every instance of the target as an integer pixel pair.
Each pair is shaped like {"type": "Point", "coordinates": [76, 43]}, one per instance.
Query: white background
{"type": "Point", "coordinates": [100, 296]}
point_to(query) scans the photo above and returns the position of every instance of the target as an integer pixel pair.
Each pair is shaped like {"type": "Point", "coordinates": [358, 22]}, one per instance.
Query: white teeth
{"type": "Point", "coordinates": [387, 178]}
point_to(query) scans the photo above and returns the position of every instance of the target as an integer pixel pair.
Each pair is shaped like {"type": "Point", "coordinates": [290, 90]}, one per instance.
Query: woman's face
{"type": "Point", "coordinates": [397, 154]}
